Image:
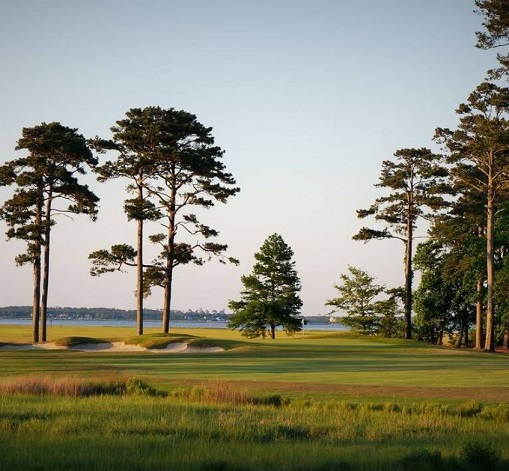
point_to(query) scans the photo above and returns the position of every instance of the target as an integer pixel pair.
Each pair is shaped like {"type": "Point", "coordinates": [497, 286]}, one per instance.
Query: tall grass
{"type": "Point", "coordinates": [191, 430]}
{"type": "Point", "coordinates": [296, 404]}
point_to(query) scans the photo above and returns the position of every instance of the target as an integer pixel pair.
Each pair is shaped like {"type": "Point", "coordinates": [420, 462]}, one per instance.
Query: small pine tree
{"type": "Point", "coordinates": [271, 293]}
{"type": "Point", "coordinates": [363, 313]}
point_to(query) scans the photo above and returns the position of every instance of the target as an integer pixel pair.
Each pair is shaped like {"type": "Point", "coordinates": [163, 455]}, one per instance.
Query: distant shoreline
{"type": "Point", "coordinates": [184, 324]}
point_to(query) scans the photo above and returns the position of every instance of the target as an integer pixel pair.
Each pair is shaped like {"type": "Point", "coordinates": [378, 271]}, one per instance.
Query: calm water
{"type": "Point", "coordinates": [157, 324]}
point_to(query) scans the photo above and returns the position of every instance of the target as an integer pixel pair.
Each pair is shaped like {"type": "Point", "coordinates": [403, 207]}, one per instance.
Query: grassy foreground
{"type": "Point", "coordinates": [311, 402]}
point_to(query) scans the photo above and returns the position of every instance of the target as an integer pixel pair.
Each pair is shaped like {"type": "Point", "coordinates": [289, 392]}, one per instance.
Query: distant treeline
{"type": "Point", "coordinates": [95, 313]}
{"type": "Point", "coordinates": [77, 313]}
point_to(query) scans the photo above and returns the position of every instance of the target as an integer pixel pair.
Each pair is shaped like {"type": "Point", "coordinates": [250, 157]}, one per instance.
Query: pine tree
{"type": "Point", "coordinates": [184, 170]}
{"type": "Point", "coordinates": [479, 159]}
{"type": "Point", "coordinates": [416, 182]}
{"type": "Point", "coordinates": [47, 184]}
{"type": "Point", "coordinates": [271, 293]}
{"type": "Point", "coordinates": [358, 300]}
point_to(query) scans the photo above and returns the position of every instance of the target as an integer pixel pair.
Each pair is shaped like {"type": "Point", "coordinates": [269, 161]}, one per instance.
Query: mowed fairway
{"type": "Point", "coordinates": [338, 364]}
{"type": "Point", "coordinates": [343, 402]}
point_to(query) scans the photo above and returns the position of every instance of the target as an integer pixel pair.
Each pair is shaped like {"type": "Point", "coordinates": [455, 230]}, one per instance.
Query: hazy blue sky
{"type": "Point", "coordinates": [306, 97]}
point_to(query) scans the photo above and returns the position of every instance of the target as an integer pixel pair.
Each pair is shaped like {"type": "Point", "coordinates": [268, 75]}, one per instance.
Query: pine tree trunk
{"type": "Point", "coordinates": [478, 317]}
{"type": "Point", "coordinates": [167, 299]}
{"type": "Point", "coordinates": [139, 267]}
{"type": "Point", "coordinates": [36, 298]}
{"type": "Point", "coordinates": [168, 282]}
{"type": "Point", "coordinates": [466, 325]}
{"type": "Point", "coordinates": [45, 270]}
{"type": "Point", "coordinates": [408, 278]}
{"type": "Point", "coordinates": [272, 331]}
{"type": "Point", "coordinates": [45, 287]}
{"type": "Point", "coordinates": [170, 257]}
{"type": "Point", "coordinates": [460, 337]}
{"type": "Point", "coordinates": [489, 344]}
{"type": "Point", "coordinates": [139, 285]}
{"type": "Point", "coordinates": [36, 307]}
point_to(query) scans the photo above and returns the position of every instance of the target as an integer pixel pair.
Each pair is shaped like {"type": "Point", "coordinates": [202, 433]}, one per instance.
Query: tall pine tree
{"type": "Point", "coordinates": [46, 184]}
{"type": "Point", "coordinates": [416, 182]}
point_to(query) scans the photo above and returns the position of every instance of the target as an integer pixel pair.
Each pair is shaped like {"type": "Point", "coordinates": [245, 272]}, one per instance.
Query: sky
{"type": "Point", "coordinates": [306, 98]}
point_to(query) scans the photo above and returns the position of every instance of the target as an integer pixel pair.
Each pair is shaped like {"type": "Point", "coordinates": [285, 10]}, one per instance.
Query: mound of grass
{"type": "Point", "coordinates": [224, 344]}
{"type": "Point", "coordinates": [75, 341]}
{"type": "Point", "coordinates": [157, 341]}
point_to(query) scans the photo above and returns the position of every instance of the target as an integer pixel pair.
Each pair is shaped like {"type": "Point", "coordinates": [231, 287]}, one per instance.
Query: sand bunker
{"type": "Point", "coordinates": [177, 347]}
{"type": "Point", "coordinates": [182, 347]}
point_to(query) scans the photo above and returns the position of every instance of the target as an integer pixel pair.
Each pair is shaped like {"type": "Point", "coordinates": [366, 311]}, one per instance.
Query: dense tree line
{"type": "Point", "coordinates": [465, 188]}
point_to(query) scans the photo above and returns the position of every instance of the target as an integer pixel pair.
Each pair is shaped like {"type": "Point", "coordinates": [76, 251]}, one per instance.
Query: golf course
{"type": "Point", "coordinates": [210, 399]}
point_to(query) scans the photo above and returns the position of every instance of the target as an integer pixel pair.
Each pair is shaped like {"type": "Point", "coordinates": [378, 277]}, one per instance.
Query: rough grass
{"type": "Point", "coordinates": [311, 402]}
{"type": "Point", "coordinates": [192, 432]}
{"type": "Point", "coordinates": [74, 387]}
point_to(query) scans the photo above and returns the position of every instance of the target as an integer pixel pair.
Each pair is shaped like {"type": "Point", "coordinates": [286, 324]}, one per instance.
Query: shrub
{"type": "Point", "coordinates": [274, 400]}
{"type": "Point", "coordinates": [470, 409]}
{"type": "Point", "coordinates": [423, 460]}
{"type": "Point", "coordinates": [137, 387]}
{"type": "Point", "coordinates": [480, 455]}
{"type": "Point", "coordinates": [500, 412]}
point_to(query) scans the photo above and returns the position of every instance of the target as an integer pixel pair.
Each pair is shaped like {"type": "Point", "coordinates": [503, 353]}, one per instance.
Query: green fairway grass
{"type": "Point", "coordinates": [321, 361]}
{"type": "Point", "coordinates": [319, 401]}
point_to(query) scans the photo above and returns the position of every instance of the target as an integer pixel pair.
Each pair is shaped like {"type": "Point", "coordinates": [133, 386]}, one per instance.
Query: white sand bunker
{"type": "Point", "coordinates": [108, 347]}
{"type": "Point", "coordinates": [182, 347]}
{"type": "Point", "coordinates": [39, 346]}
{"type": "Point", "coordinates": [176, 347]}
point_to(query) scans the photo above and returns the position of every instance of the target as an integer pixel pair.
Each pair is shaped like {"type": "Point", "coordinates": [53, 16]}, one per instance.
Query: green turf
{"type": "Point", "coordinates": [314, 359]}
{"type": "Point", "coordinates": [348, 402]}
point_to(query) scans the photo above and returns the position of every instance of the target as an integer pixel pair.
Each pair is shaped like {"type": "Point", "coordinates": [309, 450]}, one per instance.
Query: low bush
{"type": "Point", "coordinates": [470, 409]}
{"type": "Point", "coordinates": [137, 387]}
{"type": "Point", "coordinates": [423, 460]}
{"type": "Point", "coordinates": [481, 455]}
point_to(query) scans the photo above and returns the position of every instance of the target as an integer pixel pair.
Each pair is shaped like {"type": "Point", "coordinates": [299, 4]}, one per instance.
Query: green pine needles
{"type": "Point", "coordinates": [271, 293]}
